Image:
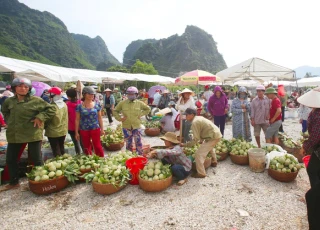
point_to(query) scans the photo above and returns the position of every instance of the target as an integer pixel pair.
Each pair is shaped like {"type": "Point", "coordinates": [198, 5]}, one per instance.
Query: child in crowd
{"type": "Point", "coordinates": [173, 154]}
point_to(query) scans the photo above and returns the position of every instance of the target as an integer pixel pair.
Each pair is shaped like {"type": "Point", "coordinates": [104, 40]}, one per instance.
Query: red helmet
{"type": "Point", "coordinates": [207, 87]}
{"type": "Point", "coordinates": [8, 87]}
{"type": "Point", "coordinates": [55, 91]}
{"type": "Point", "coordinates": [157, 90]}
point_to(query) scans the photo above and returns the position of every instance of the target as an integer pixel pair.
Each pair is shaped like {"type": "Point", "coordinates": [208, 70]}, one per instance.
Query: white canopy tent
{"type": "Point", "coordinates": [41, 72]}
{"type": "Point", "coordinates": [311, 81]}
{"type": "Point", "coordinates": [257, 69]}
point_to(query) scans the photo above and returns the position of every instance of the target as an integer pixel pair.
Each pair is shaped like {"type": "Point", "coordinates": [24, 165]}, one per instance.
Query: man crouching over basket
{"type": "Point", "coordinates": [205, 132]}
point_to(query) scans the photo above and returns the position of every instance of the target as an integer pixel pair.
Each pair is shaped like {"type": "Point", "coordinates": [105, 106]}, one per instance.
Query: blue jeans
{"type": "Point", "coordinates": [178, 171]}
{"type": "Point", "coordinates": [304, 126]}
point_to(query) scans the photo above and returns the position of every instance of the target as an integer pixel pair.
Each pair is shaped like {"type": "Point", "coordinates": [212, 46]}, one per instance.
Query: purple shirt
{"type": "Point", "coordinates": [217, 106]}
{"type": "Point", "coordinates": [260, 110]}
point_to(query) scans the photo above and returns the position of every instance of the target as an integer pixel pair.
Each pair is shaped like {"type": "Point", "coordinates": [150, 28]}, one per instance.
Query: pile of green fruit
{"type": "Point", "coordinates": [222, 146]}
{"type": "Point", "coordinates": [240, 147]}
{"type": "Point", "coordinates": [154, 171]}
{"type": "Point", "coordinates": [271, 148]}
{"type": "Point", "coordinates": [113, 136]}
{"type": "Point", "coordinates": [87, 162]}
{"type": "Point", "coordinates": [114, 173]}
{"type": "Point", "coordinates": [111, 170]}
{"type": "Point", "coordinates": [191, 151]}
{"type": "Point", "coordinates": [288, 142]}
{"type": "Point", "coordinates": [285, 164]}
{"type": "Point", "coordinates": [152, 124]}
{"type": "Point", "coordinates": [60, 166]}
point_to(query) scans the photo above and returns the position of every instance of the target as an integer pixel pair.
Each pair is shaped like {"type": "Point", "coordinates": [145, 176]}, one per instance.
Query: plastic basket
{"type": "Point", "coordinates": [135, 164]}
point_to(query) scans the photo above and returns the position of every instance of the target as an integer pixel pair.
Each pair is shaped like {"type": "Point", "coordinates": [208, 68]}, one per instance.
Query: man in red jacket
{"type": "Point", "coordinates": [275, 116]}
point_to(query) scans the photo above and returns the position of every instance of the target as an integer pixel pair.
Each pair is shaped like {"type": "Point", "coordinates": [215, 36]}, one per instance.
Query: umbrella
{"type": "Point", "coordinates": [153, 89]}
{"type": "Point", "coordinates": [197, 77]}
{"type": "Point", "coordinates": [40, 87]}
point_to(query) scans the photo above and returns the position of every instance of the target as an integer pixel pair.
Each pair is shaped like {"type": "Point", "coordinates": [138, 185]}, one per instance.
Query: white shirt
{"type": "Point", "coordinates": [189, 104]}
{"type": "Point", "coordinates": [156, 98]}
{"type": "Point", "coordinates": [174, 114]}
{"type": "Point", "coordinates": [207, 95]}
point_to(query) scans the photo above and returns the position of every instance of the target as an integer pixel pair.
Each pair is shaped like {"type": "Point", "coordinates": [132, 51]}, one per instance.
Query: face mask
{"type": "Point", "coordinates": [132, 97]}
{"type": "Point", "coordinates": [242, 96]}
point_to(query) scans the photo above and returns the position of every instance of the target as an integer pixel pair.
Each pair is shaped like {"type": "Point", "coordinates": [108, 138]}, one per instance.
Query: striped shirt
{"type": "Point", "coordinates": [175, 156]}
{"type": "Point", "coordinates": [260, 110]}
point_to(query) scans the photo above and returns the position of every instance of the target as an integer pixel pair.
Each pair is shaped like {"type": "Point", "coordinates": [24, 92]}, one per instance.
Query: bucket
{"type": "Point", "coordinates": [306, 160]}
{"type": "Point", "coordinates": [135, 164]}
{"type": "Point", "coordinates": [257, 159]}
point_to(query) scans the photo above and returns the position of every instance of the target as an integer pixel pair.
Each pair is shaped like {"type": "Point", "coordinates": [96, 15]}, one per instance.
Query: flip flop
{"type": "Point", "coordinates": [182, 182]}
{"type": "Point", "coordinates": [9, 187]}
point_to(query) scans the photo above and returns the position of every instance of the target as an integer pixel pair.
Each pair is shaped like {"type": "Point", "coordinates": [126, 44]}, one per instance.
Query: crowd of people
{"type": "Point", "coordinates": [28, 118]}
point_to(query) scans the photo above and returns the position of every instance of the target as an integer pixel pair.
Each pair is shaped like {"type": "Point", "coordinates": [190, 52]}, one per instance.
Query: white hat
{"type": "Point", "coordinates": [165, 111]}
{"type": "Point", "coordinates": [186, 90]}
{"type": "Point", "coordinates": [165, 91]}
{"type": "Point", "coordinates": [108, 90]}
{"type": "Point", "coordinates": [311, 99]}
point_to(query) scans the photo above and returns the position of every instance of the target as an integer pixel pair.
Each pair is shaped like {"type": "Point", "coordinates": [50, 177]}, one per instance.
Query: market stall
{"type": "Point", "coordinates": [256, 69]}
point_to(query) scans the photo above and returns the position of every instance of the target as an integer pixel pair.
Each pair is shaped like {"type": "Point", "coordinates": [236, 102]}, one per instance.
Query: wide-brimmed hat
{"type": "Point", "coordinates": [311, 99]}
{"type": "Point", "coordinates": [186, 90]}
{"type": "Point", "coordinates": [271, 90]}
{"type": "Point", "coordinates": [108, 90]}
{"type": "Point", "coordinates": [165, 111]}
{"type": "Point", "coordinates": [169, 136]}
{"type": "Point", "coordinates": [165, 91]}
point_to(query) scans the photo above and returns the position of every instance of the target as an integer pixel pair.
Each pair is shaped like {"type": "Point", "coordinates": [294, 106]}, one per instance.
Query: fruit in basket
{"type": "Point", "coordinates": [155, 171]}
{"type": "Point", "coordinates": [112, 173]}
{"type": "Point", "coordinates": [271, 148]}
{"type": "Point", "coordinates": [285, 164]}
{"type": "Point", "coordinates": [240, 147]}
{"type": "Point", "coordinates": [113, 136]}
{"type": "Point", "coordinates": [222, 146]}
{"type": "Point", "coordinates": [288, 143]}
{"type": "Point", "coordinates": [56, 167]}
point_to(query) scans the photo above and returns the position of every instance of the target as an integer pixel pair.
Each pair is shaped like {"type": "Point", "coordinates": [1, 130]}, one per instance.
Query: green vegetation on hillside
{"type": "Point", "coordinates": [95, 49]}
{"type": "Point", "coordinates": [32, 35]}
{"type": "Point", "coordinates": [194, 49]}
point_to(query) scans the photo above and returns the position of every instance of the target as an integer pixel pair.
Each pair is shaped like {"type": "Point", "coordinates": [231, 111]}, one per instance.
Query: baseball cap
{"type": "Point", "coordinates": [190, 111]}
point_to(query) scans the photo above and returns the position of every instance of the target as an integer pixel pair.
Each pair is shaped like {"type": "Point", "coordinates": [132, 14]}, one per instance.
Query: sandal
{"type": "Point", "coordinates": [182, 182]}
{"type": "Point", "coordinates": [8, 187]}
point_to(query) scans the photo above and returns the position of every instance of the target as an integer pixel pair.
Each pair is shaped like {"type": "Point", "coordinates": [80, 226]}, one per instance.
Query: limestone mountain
{"type": "Point", "coordinates": [194, 49]}
{"type": "Point", "coordinates": [95, 49]}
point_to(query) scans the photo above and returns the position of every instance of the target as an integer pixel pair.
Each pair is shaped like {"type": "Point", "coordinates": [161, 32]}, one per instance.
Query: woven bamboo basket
{"type": "Point", "coordinates": [152, 132]}
{"type": "Point", "coordinates": [155, 186]}
{"type": "Point", "coordinates": [48, 186]}
{"type": "Point", "coordinates": [282, 177]}
{"type": "Point", "coordinates": [114, 146]}
{"type": "Point", "coordinates": [239, 159]}
{"type": "Point", "coordinates": [223, 156]}
{"type": "Point", "coordinates": [106, 189]}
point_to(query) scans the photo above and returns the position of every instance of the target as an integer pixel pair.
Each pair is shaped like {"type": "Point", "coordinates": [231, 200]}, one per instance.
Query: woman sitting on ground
{"type": "Point", "coordinates": [173, 154]}
{"type": "Point", "coordinates": [167, 121]}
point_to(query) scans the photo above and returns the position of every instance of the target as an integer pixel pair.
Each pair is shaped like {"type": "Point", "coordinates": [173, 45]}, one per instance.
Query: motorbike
{"type": "Point", "coordinates": [153, 110]}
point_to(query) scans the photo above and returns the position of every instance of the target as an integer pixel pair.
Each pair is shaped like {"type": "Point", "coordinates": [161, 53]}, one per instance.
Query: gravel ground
{"type": "Point", "coordinates": [230, 197]}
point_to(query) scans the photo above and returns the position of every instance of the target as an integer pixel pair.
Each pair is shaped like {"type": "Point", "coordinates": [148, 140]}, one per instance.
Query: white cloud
{"type": "Point", "coordinates": [284, 32]}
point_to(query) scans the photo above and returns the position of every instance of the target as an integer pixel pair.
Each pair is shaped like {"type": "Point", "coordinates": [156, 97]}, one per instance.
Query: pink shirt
{"type": "Point", "coordinates": [72, 114]}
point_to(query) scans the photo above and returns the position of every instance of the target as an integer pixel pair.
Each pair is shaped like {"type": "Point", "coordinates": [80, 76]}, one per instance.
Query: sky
{"type": "Point", "coordinates": [280, 31]}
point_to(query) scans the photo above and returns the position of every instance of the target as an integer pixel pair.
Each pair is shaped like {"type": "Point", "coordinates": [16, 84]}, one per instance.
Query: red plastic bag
{"type": "Point", "coordinates": [281, 90]}
{"type": "Point", "coordinates": [177, 122]}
